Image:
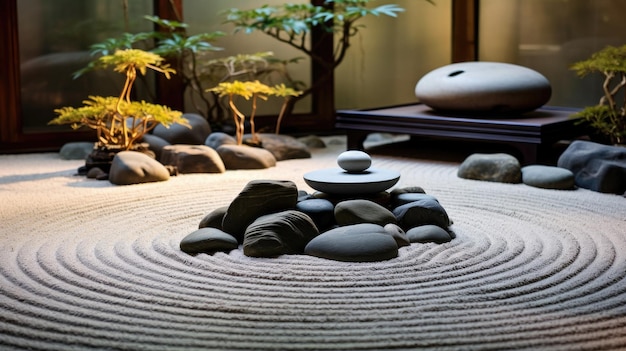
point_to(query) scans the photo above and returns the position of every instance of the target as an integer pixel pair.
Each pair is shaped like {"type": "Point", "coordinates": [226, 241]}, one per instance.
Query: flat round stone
{"type": "Point", "coordinates": [354, 161]}
{"type": "Point", "coordinates": [340, 181]}
{"type": "Point", "coordinates": [487, 87]}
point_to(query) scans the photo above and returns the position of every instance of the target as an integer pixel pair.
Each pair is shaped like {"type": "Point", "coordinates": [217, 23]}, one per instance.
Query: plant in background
{"type": "Point", "coordinates": [187, 52]}
{"type": "Point", "coordinates": [120, 122]}
{"type": "Point", "coordinates": [292, 24]}
{"type": "Point", "coordinates": [250, 90]}
{"type": "Point", "coordinates": [261, 66]}
{"type": "Point", "coordinates": [287, 94]}
{"type": "Point", "coordinates": [608, 117]}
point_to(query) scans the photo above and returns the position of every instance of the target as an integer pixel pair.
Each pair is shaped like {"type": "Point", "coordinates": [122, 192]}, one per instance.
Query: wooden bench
{"type": "Point", "coordinates": [530, 133]}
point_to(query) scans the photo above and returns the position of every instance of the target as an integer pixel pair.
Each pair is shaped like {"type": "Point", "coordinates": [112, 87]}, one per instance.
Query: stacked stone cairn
{"type": "Point", "coordinates": [270, 218]}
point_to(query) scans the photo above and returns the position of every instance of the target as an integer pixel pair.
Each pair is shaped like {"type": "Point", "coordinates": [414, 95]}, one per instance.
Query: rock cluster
{"type": "Point", "coordinates": [584, 164]}
{"type": "Point", "coordinates": [505, 168]}
{"type": "Point", "coordinates": [270, 218]}
{"type": "Point", "coordinates": [179, 150]}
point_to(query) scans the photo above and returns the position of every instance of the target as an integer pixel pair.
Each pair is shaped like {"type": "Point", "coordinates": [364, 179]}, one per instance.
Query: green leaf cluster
{"type": "Point", "coordinates": [608, 117]}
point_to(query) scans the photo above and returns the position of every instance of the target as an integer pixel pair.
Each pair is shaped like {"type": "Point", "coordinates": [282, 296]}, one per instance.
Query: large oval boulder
{"type": "Point", "coordinates": [363, 242]}
{"type": "Point", "coordinates": [487, 87]}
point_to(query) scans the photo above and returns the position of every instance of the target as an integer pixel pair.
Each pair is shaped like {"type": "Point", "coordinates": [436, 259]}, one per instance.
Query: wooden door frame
{"type": "Point", "coordinates": [320, 119]}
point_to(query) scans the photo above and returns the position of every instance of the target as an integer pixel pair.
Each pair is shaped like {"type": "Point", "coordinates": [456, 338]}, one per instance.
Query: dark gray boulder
{"type": "Point", "coordinates": [421, 212]}
{"type": "Point", "coordinates": [76, 150]}
{"type": "Point", "coordinates": [596, 167]}
{"type": "Point", "coordinates": [428, 234]}
{"type": "Point", "coordinates": [321, 211]}
{"type": "Point", "coordinates": [258, 198]}
{"type": "Point", "coordinates": [277, 234]}
{"type": "Point", "coordinates": [192, 159]}
{"type": "Point", "coordinates": [132, 167]}
{"type": "Point", "coordinates": [364, 242]}
{"type": "Point", "coordinates": [208, 240]}
{"type": "Point", "coordinates": [498, 167]}
{"type": "Point", "coordinates": [362, 211]}
{"type": "Point", "coordinates": [406, 198]}
{"type": "Point", "coordinates": [180, 134]}
{"type": "Point", "coordinates": [214, 218]}
{"type": "Point", "coordinates": [548, 177]}
{"type": "Point", "coordinates": [155, 144]}
{"type": "Point", "coordinates": [217, 139]}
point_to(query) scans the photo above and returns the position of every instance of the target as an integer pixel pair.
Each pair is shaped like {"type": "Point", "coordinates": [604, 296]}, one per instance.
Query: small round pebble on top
{"type": "Point", "coordinates": [354, 161]}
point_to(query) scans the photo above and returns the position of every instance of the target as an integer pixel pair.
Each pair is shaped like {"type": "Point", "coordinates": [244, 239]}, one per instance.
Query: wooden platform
{"type": "Point", "coordinates": [530, 133]}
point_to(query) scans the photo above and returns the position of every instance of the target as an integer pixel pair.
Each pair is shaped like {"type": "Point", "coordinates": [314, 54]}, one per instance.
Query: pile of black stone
{"type": "Point", "coordinates": [271, 217]}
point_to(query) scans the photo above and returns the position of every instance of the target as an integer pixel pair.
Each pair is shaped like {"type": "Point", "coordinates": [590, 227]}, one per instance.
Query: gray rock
{"type": "Point", "coordinates": [246, 157]}
{"type": "Point", "coordinates": [596, 167]}
{"type": "Point", "coordinates": [258, 198]}
{"type": "Point", "coordinates": [548, 177]}
{"type": "Point", "coordinates": [499, 167]}
{"type": "Point", "coordinates": [382, 198]}
{"type": "Point", "coordinates": [312, 142]}
{"type": "Point", "coordinates": [217, 139]}
{"type": "Point", "coordinates": [132, 167]}
{"type": "Point", "coordinates": [401, 199]}
{"type": "Point", "coordinates": [321, 211]}
{"type": "Point", "coordinates": [364, 242]}
{"type": "Point", "coordinates": [283, 147]}
{"type": "Point", "coordinates": [428, 234]}
{"type": "Point", "coordinates": [214, 218]}
{"type": "Point", "coordinates": [155, 144]}
{"type": "Point", "coordinates": [280, 233]}
{"type": "Point", "coordinates": [483, 87]}
{"type": "Point", "coordinates": [96, 173]}
{"type": "Point", "coordinates": [192, 159]}
{"type": "Point", "coordinates": [421, 212]}
{"type": "Point", "coordinates": [407, 190]}
{"type": "Point", "coordinates": [398, 234]}
{"type": "Point", "coordinates": [180, 134]}
{"type": "Point", "coordinates": [362, 211]}
{"type": "Point", "coordinates": [76, 150]}
{"type": "Point", "coordinates": [208, 240]}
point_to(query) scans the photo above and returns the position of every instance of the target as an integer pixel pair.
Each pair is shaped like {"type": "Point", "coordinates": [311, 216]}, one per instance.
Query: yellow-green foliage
{"type": "Point", "coordinates": [134, 59]}
{"type": "Point", "coordinates": [252, 90]}
{"type": "Point", "coordinates": [120, 125]}
{"type": "Point", "coordinates": [118, 121]}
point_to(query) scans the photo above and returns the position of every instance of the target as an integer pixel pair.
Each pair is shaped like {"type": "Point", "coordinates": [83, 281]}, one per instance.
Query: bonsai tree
{"type": "Point", "coordinates": [251, 90]}
{"type": "Point", "coordinates": [608, 117]}
{"type": "Point", "coordinates": [293, 24]}
{"type": "Point", "coordinates": [118, 121]}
